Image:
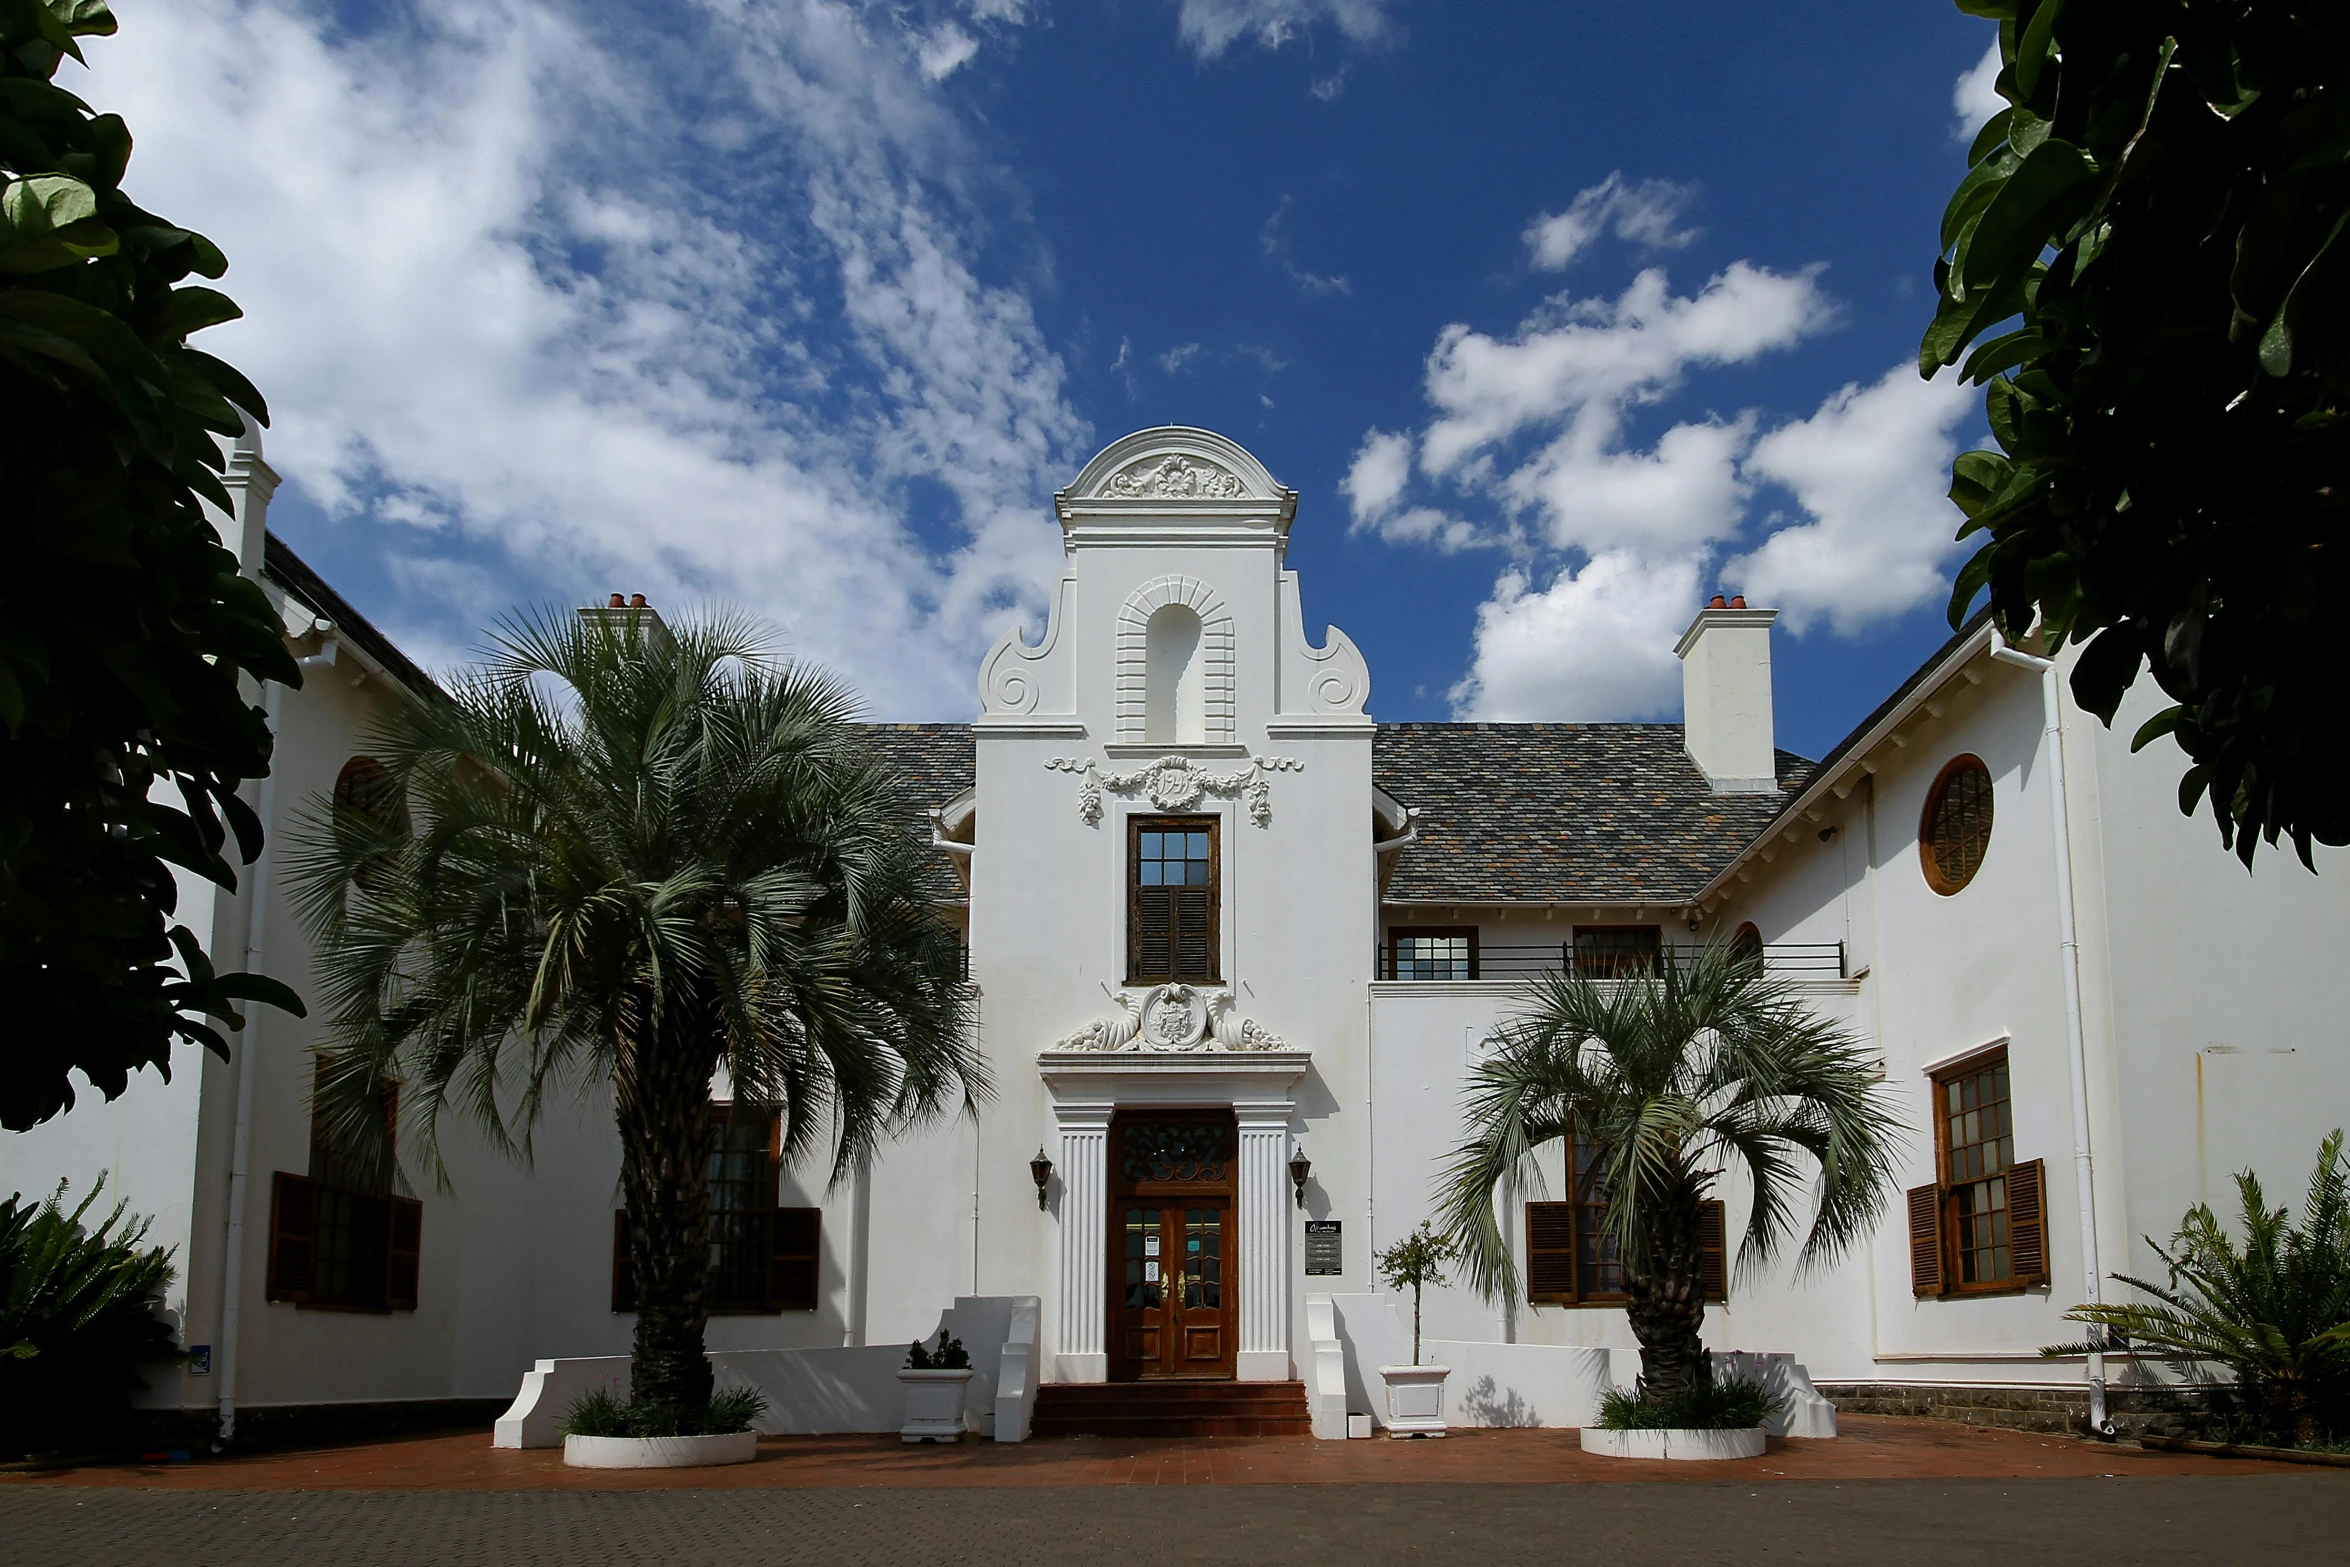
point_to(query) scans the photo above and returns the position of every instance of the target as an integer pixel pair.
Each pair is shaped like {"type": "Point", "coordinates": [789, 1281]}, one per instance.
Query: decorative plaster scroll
{"type": "Point", "coordinates": [1173, 1020]}
{"type": "Point", "coordinates": [1175, 478]}
{"type": "Point", "coordinates": [1217, 647]}
{"type": "Point", "coordinates": [1011, 680]}
{"type": "Point", "coordinates": [1176, 783]}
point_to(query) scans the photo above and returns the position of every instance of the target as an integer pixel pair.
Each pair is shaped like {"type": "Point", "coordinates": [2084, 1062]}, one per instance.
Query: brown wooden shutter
{"type": "Point", "coordinates": [1550, 1252]}
{"type": "Point", "coordinates": [623, 1274]}
{"type": "Point", "coordinates": [1195, 933]}
{"type": "Point", "coordinates": [1713, 1255]}
{"type": "Point", "coordinates": [792, 1272]}
{"type": "Point", "coordinates": [1153, 951]}
{"type": "Point", "coordinates": [2027, 1221]}
{"type": "Point", "coordinates": [1925, 1241]}
{"type": "Point", "coordinates": [293, 1237]}
{"type": "Point", "coordinates": [406, 1225]}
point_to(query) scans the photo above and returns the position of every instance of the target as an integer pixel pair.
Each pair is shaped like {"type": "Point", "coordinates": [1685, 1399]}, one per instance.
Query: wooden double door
{"type": "Point", "coordinates": [1173, 1309]}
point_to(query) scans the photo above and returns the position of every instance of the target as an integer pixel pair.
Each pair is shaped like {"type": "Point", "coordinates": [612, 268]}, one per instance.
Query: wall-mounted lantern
{"type": "Point", "coordinates": [1299, 1168]}
{"type": "Point", "coordinates": [1040, 1170]}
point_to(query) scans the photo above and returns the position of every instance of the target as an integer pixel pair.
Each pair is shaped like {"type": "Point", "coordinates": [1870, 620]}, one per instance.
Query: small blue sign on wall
{"type": "Point", "coordinates": [199, 1360]}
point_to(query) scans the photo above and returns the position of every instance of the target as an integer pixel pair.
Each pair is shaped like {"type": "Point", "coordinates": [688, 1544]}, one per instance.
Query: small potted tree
{"type": "Point", "coordinates": [934, 1380]}
{"type": "Point", "coordinates": [1415, 1393]}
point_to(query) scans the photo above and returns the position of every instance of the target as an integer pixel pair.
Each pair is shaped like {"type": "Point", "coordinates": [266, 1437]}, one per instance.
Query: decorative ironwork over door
{"type": "Point", "coordinates": [1173, 1309]}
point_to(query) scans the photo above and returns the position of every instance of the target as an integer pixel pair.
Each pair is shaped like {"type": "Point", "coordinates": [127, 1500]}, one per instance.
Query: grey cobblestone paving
{"type": "Point", "coordinates": [2264, 1519]}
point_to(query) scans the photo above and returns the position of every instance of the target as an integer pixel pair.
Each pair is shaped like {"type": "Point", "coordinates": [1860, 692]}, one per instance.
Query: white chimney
{"type": "Point", "coordinates": [1726, 696]}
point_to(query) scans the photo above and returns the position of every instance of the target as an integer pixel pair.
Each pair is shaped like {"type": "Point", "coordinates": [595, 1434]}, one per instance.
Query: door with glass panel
{"type": "Point", "coordinates": [1172, 1307]}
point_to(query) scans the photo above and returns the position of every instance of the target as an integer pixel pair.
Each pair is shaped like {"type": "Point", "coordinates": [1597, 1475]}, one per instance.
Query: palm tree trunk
{"type": "Point", "coordinates": [1666, 1303]}
{"type": "Point", "coordinates": [663, 1109]}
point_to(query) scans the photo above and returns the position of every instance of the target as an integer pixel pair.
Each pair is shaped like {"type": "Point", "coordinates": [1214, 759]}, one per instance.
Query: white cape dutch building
{"type": "Point", "coordinates": [1234, 945]}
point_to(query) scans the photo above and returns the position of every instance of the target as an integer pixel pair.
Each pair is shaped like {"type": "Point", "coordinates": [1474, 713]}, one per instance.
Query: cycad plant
{"type": "Point", "coordinates": [1665, 1079]}
{"type": "Point", "coordinates": [639, 858]}
{"type": "Point", "coordinates": [2274, 1313]}
{"type": "Point", "coordinates": [77, 1321]}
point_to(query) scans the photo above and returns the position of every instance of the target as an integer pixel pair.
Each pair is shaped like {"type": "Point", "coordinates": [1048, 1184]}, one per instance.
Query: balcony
{"type": "Point", "coordinates": [1793, 960]}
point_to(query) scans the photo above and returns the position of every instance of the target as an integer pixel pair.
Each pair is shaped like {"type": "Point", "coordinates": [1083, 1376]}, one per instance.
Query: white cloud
{"type": "Point", "coordinates": [1596, 356]}
{"type": "Point", "coordinates": [1641, 212]}
{"type": "Point", "coordinates": [1174, 359]}
{"type": "Point", "coordinates": [1611, 539]}
{"type": "Point", "coordinates": [524, 304]}
{"type": "Point", "coordinates": [945, 50]}
{"type": "Point", "coordinates": [1594, 644]}
{"type": "Point", "coordinates": [1210, 27]}
{"type": "Point", "coordinates": [1375, 480]}
{"type": "Point", "coordinates": [1976, 98]}
{"type": "Point", "coordinates": [1872, 470]}
{"type": "Point", "coordinates": [1683, 493]}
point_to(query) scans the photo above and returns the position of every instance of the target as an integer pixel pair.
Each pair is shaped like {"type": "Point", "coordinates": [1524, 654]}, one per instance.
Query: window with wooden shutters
{"type": "Point", "coordinates": [339, 1238]}
{"type": "Point", "coordinates": [1173, 895]}
{"type": "Point", "coordinates": [1571, 1260]}
{"type": "Point", "coordinates": [763, 1258]}
{"type": "Point", "coordinates": [1982, 1228]}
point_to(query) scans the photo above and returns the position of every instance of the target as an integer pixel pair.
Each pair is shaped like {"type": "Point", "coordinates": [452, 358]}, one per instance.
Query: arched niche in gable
{"type": "Point", "coordinates": [1175, 664]}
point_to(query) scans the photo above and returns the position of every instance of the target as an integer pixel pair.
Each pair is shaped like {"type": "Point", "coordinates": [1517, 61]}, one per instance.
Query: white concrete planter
{"type": "Point", "coordinates": [1415, 1399]}
{"type": "Point", "coordinates": [659, 1452]}
{"type": "Point", "coordinates": [1673, 1443]}
{"type": "Point", "coordinates": [934, 1405]}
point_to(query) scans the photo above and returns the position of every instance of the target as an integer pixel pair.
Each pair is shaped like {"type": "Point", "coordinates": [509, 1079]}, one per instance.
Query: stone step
{"type": "Point", "coordinates": [1172, 1408]}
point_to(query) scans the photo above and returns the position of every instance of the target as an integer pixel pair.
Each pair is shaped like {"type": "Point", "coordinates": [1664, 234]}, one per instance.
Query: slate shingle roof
{"type": "Point", "coordinates": [938, 762]}
{"type": "Point", "coordinates": [1566, 813]}
{"type": "Point", "coordinates": [1535, 813]}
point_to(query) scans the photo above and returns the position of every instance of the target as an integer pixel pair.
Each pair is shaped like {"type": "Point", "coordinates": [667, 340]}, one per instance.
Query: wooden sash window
{"type": "Point", "coordinates": [764, 1258]}
{"type": "Point", "coordinates": [1431, 952]}
{"type": "Point", "coordinates": [1617, 951]}
{"type": "Point", "coordinates": [337, 1239]}
{"type": "Point", "coordinates": [1174, 892]}
{"type": "Point", "coordinates": [1982, 1228]}
{"type": "Point", "coordinates": [1571, 1260]}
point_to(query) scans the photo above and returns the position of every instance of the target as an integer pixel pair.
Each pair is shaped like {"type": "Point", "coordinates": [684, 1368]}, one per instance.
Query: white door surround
{"type": "Point", "coordinates": [1087, 1088]}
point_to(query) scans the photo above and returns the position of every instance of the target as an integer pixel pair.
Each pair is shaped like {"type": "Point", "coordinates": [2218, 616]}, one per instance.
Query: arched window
{"type": "Point", "coordinates": [367, 789]}
{"type": "Point", "coordinates": [366, 786]}
{"type": "Point", "coordinates": [1747, 945]}
{"type": "Point", "coordinates": [1175, 686]}
{"type": "Point", "coordinates": [1955, 831]}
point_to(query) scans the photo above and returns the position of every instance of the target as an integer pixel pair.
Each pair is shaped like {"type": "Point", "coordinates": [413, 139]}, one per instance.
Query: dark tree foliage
{"type": "Point", "coordinates": [2163, 204]}
{"type": "Point", "coordinates": [124, 627]}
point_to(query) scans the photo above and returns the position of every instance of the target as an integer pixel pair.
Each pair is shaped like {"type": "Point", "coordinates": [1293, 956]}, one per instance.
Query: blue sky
{"type": "Point", "coordinates": [1559, 316]}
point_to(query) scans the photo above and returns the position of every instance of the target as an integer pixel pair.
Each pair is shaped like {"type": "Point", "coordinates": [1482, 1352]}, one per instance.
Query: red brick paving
{"type": "Point", "coordinates": [1871, 1448]}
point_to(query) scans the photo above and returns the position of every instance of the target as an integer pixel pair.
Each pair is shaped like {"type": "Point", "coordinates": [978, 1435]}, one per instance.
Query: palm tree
{"type": "Point", "coordinates": [637, 859]}
{"type": "Point", "coordinates": [2274, 1312]}
{"type": "Point", "coordinates": [1664, 1079]}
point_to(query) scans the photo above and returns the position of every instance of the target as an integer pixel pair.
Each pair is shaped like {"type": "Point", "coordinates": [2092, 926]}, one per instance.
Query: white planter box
{"type": "Point", "coordinates": [1415, 1399]}
{"type": "Point", "coordinates": [1674, 1443]}
{"type": "Point", "coordinates": [659, 1452]}
{"type": "Point", "coordinates": [934, 1405]}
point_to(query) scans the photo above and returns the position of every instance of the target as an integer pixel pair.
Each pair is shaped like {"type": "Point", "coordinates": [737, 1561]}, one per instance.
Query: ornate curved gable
{"type": "Point", "coordinates": [1190, 468]}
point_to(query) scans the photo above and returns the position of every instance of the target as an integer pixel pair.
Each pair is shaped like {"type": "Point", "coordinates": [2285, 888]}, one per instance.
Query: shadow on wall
{"type": "Point", "coordinates": [1487, 1404]}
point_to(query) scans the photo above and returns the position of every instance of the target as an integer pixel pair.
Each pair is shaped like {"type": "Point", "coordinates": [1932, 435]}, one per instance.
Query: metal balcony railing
{"type": "Point", "coordinates": [1785, 959]}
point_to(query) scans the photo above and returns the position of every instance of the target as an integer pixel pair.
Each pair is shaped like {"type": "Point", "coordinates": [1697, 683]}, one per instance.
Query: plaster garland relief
{"type": "Point", "coordinates": [1175, 1019]}
{"type": "Point", "coordinates": [1176, 783]}
{"type": "Point", "coordinates": [1174, 477]}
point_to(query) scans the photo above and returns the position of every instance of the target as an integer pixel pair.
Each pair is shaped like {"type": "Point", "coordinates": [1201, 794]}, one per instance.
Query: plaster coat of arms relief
{"type": "Point", "coordinates": [1176, 783]}
{"type": "Point", "coordinates": [1173, 1019]}
{"type": "Point", "coordinates": [1174, 478]}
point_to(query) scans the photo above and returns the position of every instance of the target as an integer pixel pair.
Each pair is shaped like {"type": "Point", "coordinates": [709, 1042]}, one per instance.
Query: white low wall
{"type": "Point", "coordinates": [820, 1392]}
{"type": "Point", "coordinates": [1543, 1385]}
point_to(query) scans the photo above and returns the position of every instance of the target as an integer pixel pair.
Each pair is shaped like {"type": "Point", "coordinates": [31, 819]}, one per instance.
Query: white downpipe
{"type": "Point", "coordinates": [232, 1272]}
{"type": "Point", "coordinates": [2076, 1045]}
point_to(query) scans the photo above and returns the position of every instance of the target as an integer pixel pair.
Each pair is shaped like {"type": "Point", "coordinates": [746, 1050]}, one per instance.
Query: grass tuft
{"type": "Point", "coordinates": [1719, 1406]}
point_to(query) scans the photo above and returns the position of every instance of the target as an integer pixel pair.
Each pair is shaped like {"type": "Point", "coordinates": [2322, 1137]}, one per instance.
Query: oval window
{"type": "Point", "coordinates": [1956, 829]}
